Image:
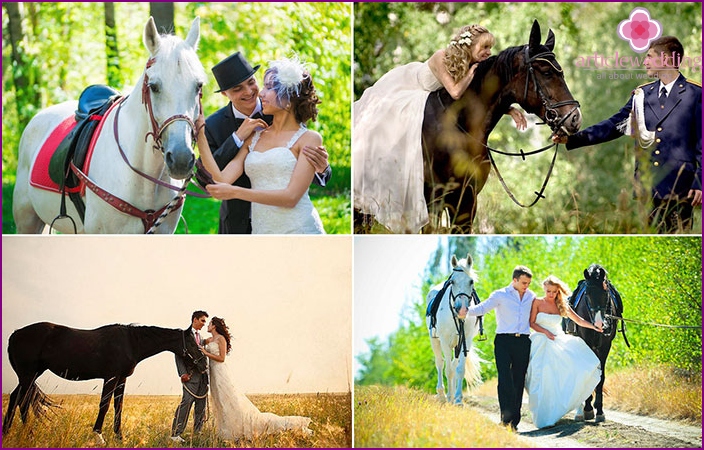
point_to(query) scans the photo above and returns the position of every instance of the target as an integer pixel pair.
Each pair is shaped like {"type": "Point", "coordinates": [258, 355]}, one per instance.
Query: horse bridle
{"type": "Point", "coordinates": [158, 130]}
{"type": "Point", "coordinates": [186, 353]}
{"type": "Point", "coordinates": [551, 114]}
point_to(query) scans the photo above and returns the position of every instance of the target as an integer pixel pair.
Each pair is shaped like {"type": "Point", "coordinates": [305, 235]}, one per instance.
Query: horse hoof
{"type": "Point", "coordinates": [600, 418]}
{"type": "Point", "coordinates": [579, 418]}
{"type": "Point", "coordinates": [99, 438]}
{"type": "Point", "coordinates": [589, 415]}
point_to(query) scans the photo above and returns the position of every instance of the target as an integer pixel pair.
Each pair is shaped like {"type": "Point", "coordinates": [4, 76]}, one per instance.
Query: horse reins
{"type": "Point", "coordinates": [185, 353]}
{"type": "Point", "coordinates": [459, 323]}
{"type": "Point", "coordinates": [550, 118]}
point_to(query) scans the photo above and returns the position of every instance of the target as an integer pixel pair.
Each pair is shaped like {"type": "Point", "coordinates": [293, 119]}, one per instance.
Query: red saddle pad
{"type": "Point", "coordinates": [39, 177]}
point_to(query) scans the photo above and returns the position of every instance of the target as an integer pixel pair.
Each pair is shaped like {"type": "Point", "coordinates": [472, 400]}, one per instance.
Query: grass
{"type": "Point", "coordinates": [404, 417]}
{"type": "Point", "coordinates": [200, 216]}
{"type": "Point", "coordinates": [146, 422]}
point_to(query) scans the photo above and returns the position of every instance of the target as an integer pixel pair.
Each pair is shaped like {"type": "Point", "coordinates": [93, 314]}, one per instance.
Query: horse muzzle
{"type": "Point", "coordinates": [565, 120]}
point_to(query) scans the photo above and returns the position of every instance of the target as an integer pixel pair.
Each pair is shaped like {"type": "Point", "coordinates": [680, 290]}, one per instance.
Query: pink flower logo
{"type": "Point", "coordinates": [639, 30]}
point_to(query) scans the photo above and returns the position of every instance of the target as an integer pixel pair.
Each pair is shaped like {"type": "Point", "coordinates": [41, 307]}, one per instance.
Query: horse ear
{"type": "Point", "coordinates": [550, 42]}
{"type": "Point", "coordinates": [586, 274]}
{"type": "Point", "coordinates": [194, 34]}
{"type": "Point", "coordinates": [469, 260]}
{"type": "Point", "coordinates": [534, 40]}
{"type": "Point", "coordinates": [152, 40]}
{"type": "Point", "coordinates": [453, 261]}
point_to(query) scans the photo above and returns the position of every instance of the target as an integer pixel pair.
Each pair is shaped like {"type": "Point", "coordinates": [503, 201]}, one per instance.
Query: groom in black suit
{"type": "Point", "coordinates": [227, 129]}
{"type": "Point", "coordinates": [195, 385]}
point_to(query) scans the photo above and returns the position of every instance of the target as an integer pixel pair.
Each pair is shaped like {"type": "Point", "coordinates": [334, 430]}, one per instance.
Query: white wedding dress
{"type": "Point", "coordinates": [386, 148]}
{"type": "Point", "coordinates": [235, 416]}
{"type": "Point", "coordinates": [561, 373]}
{"type": "Point", "coordinates": [272, 170]}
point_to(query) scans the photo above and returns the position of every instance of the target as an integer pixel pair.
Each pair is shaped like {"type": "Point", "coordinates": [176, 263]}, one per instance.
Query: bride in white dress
{"type": "Point", "coordinates": [388, 119]}
{"type": "Point", "coordinates": [235, 416]}
{"type": "Point", "coordinates": [563, 371]}
{"type": "Point", "coordinates": [275, 164]}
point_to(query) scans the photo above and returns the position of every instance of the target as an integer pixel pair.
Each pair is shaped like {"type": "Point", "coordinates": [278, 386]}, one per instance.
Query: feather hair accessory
{"type": "Point", "coordinates": [287, 77]}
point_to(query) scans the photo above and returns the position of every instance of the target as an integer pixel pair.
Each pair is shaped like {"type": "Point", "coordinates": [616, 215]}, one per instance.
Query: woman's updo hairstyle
{"type": "Point", "coordinates": [458, 54]}
{"type": "Point", "coordinates": [294, 86]}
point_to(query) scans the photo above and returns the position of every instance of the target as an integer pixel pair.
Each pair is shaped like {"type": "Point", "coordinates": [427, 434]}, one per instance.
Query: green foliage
{"type": "Point", "coordinates": [590, 189]}
{"type": "Point", "coordinates": [658, 278]}
{"type": "Point", "coordinates": [65, 50]}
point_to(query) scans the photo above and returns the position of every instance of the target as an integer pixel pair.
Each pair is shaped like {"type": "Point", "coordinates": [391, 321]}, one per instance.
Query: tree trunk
{"type": "Point", "coordinates": [27, 98]}
{"type": "Point", "coordinates": [163, 14]}
{"type": "Point", "coordinates": [111, 49]}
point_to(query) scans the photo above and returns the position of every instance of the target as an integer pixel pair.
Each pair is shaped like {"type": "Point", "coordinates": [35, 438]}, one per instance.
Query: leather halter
{"type": "Point", "coordinates": [551, 114]}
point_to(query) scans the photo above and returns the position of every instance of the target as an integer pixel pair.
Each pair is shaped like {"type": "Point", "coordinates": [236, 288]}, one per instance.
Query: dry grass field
{"type": "Point", "coordinates": [146, 422]}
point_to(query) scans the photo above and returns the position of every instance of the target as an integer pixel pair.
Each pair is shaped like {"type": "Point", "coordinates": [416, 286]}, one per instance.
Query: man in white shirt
{"type": "Point", "coordinates": [511, 344]}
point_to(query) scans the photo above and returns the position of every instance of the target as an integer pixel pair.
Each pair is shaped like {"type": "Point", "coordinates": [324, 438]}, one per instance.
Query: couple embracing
{"type": "Point", "coordinates": [264, 186]}
{"type": "Point", "coordinates": [559, 371]}
{"type": "Point", "coordinates": [235, 415]}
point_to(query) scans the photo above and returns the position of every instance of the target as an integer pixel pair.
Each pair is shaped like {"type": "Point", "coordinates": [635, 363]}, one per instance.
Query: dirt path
{"type": "Point", "coordinates": [620, 430]}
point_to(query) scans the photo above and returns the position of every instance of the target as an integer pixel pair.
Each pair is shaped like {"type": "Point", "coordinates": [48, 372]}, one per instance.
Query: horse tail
{"type": "Point", "coordinates": [472, 368]}
{"type": "Point", "coordinates": [33, 396]}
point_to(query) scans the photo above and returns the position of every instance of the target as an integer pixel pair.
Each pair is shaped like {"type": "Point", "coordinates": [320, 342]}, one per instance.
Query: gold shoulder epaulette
{"type": "Point", "coordinates": [694, 82]}
{"type": "Point", "coordinates": [645, 84]}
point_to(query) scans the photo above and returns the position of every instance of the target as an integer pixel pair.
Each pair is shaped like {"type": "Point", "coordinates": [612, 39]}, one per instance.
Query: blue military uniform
{"type": "Point", "coordinates": [676, 155]}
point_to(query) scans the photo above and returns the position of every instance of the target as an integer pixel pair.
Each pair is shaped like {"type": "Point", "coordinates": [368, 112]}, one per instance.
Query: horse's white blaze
{"type": "Point", "coordinates": [598, 320]}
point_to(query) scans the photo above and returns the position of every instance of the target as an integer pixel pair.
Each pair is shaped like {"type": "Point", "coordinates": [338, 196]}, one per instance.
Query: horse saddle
{"type": "Point", "coordinates": [92, 104]}
{"type": "Point", "coordinates": [94, 101]}
{"type": "Point", "coordinates": [433, 306]}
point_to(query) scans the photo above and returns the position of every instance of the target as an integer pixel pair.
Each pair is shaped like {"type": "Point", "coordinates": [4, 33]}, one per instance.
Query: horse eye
{"type": "Point", "coordinates": [154, 87]}
{"type": "Point", "coordinates": [199, 86]}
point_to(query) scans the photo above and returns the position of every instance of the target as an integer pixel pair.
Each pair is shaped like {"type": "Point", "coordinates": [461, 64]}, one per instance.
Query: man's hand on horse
{"type": "Point", "coordinates": [696, 196]}
{"type": "Point", "coordinates": [185, 378]}
{"type": "Point", "coordinates": [317, 157]}
{"type": "Point", "coordinates": [559, 139]}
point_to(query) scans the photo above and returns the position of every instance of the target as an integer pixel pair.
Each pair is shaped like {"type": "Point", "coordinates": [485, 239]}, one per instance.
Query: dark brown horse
{"type": "Point", "coordinates": [455, 133]}
{"type": "Point", "coordinates": [456, 157]}
{"type": "Point", "coordinates": [596, 300]}
{"type": "Point", "coordinates": [110, 352]}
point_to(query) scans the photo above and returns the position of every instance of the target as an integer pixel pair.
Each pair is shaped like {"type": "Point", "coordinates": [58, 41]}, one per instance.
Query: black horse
{"type": "Point", "coordinates": [596, 300]}
{"type": "Point", "coordinates": [110, 352]}
{"type": "Point", "coordinates": [455, 133]}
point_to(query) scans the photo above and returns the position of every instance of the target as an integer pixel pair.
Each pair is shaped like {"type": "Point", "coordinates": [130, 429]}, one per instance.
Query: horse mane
{"type": "Point", "coordinates": [471, 273]}
{"type": "Point", "coordinates": [171, 44]}
{"type": "Point", "coordinates": [502, 65]}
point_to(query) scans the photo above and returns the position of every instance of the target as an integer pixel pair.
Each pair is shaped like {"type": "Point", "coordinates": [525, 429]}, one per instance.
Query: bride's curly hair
{"type": "Point", "coordinates": [563, 291]}
{"type": "Point", "coordinates": [458, 55]}
{"type": "Point", "coordinates": [223, 330]}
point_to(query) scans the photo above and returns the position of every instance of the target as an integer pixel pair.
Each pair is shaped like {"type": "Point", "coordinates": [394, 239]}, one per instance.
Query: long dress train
{"type": "Point", "coordinates": [237, 417]}
{"type": "Point", "coordinates": [561, 373]}
{"type": "Point", "coordinates": [386, 148]}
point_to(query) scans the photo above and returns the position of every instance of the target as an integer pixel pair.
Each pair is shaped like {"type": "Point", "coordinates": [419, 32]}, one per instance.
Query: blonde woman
{"type": "Point", "coordinates": [563, 371]}
{"type": "Point", "coordinates": [388, 119]}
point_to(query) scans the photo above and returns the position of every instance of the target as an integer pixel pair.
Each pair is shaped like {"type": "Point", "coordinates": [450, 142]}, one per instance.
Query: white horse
{"type": "Point", "coordinates": [458, 355]}
{"type": "Point", "coordinates": [144, 149]}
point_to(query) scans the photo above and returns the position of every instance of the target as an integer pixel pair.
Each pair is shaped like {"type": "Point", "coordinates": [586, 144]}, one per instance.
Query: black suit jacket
{"type": "Point", "coordinates": [219, 126]}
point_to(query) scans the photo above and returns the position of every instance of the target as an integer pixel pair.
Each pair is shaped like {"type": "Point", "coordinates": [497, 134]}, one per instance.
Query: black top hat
{"type": "Point", "coordinates": [232, 70]}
